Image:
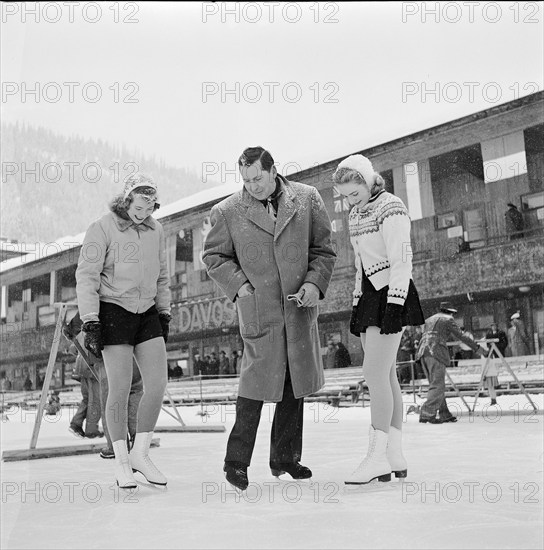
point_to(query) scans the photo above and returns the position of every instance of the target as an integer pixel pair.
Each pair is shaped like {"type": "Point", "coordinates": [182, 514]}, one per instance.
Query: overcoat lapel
{"type": "Point", "coordinates": [257, 213]}
{"type": "Point", "coordinates": [287, 208]}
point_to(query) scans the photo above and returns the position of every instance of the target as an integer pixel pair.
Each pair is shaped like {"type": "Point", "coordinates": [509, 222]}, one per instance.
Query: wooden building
{"type": "Point", "coordinates": [456, 180]}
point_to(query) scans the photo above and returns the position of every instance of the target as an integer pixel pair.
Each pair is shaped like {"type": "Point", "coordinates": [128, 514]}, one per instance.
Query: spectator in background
{"type": "Point", "coordinates": [214, 365]}
{"type": "Point", "coordinates": [207, 365]}
{"type": "Point", "coordinates": [89, 410]}
{"type": "Point", "coordinates": [234, 362]}
{"type": "Point", "coordinates": [6, 384]}
{"type": "Point", "coordinates": [495, 332]}
{"type": "Point", "coordinates": [514, 221]}
{"type": "Point", "coordinates": [224, 364]}
{"type": "Point", "coordinates": [27, 385]}
{"type": "Point", "coordinates": [199, 367]}
{"type": "Point", "coordinates": [53, 404]}
{"type": "Point", "coordinates": [517, 336]}
{"type": "Point", "coordinates": [435, 358]}
{"type": "Point", "coordinates": [404, 356]}
{"type": "Point", "coordinates": [342, 359]}
{"type": "Point", "coordinates": [330, 356]}
{"type": "Point", "coordinates": [177, 371]}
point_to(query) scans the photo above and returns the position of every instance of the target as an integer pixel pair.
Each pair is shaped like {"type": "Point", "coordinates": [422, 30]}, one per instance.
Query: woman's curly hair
{"type": "Point", "coordinates": [119, 205]}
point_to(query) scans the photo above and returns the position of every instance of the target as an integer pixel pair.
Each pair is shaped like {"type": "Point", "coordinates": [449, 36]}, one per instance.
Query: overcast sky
{"type": "Point", "coordinates": [309, 81]}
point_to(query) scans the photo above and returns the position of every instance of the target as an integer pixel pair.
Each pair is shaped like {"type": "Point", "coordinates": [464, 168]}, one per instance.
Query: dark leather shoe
{"type": "Point", "coordinates": [77, 430]}
{"type": "Point", "coordinates": [294, 469]}
{"type": "Point", "coordinates": [94, 435]}
{"type": "Point", "coordinates": [236, 474]}
{"type": "Point", "coordinates": [430, 420]}
{"type": "Point", "coordinates": [449, 419]}
{"type": "Point", "coordinates": [107, 453]}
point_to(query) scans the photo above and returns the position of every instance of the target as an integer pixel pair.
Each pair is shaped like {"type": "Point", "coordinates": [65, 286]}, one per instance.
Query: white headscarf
{"type": "Point", "coordinates": [360, 164]}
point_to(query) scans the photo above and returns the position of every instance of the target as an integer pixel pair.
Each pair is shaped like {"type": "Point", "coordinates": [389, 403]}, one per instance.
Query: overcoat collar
{"type": "Point", "coordinates": [287, 207]}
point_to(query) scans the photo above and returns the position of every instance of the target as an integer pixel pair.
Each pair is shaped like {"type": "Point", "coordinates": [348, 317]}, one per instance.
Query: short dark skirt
{"type": "Point", "coordinates": [370, 309]}
{"type": "Point", "coordinates": [120, 326]}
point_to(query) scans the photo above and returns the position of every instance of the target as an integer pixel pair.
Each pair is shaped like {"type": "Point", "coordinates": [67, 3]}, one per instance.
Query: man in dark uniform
{"type": "Point", "coordinates": [435, 358]}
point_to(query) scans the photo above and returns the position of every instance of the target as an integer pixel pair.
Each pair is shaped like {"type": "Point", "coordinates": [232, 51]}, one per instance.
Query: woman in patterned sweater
{"type": "Point", "coordinates": [385, 301]}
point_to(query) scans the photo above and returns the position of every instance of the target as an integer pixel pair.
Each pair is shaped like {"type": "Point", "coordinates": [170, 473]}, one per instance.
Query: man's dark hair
{"type": "Point", "coordinates": [253, 154]}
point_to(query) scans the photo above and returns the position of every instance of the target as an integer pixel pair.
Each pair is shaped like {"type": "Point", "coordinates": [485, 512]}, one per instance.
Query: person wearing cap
{"type": "Point", "coordinates": [517, 336]}
{"type": "Point", "coordinates": [514, 221]}
{"type": "Point", "coordinates": [385, 300]}
{"type": "Point", "coordinates": [267, 242]}
{"type": "Point", "coordinates": [495, 332]}
{"type": "Point", "coordinates": [435, 358]}
{"type": "Point", "coordinates": [123, 297]}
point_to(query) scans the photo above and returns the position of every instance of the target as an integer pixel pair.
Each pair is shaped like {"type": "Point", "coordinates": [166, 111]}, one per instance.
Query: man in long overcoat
{"type": "Point", "coordinates": [270, 240]}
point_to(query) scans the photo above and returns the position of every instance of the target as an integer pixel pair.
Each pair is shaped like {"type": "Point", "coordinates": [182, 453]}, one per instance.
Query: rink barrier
{"type": "Point", "coordinates": [54, 452]}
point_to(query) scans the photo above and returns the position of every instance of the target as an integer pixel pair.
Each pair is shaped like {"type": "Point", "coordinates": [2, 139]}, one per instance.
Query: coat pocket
{"type": "Point", "coordinates": [248, 316]}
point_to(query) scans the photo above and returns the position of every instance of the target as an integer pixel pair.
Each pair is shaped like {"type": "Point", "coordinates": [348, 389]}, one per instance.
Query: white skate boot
{"type": "Point", "coordinates": [123, 471]}
{"type": "Point", "coordinates": [375, 465]}
{"type": "Point", "coordinates": [140, 461]}
{"type": "Point", "coordinates": [396, 459]}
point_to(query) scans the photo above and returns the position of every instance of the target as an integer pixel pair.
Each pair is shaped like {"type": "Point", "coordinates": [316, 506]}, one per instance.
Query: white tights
{"type": "Point", "coordinates": [151, 358]}
{"type": "Point", "coordinates": [379, 370]}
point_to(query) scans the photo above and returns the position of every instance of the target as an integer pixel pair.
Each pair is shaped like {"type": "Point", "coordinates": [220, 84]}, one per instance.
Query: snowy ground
{"type": "Point", "coordinates": [474, 484]}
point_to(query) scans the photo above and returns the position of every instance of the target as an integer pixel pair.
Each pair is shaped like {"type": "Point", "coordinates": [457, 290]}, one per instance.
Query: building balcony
{"type": "Point", "coordinates": [497, 263]}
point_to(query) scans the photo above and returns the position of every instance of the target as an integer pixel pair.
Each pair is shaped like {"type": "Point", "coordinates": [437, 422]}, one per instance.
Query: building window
{"type": "Point", "coordinates": [443, 221]}
{"type": "Point", "coordinates": [532, 201]}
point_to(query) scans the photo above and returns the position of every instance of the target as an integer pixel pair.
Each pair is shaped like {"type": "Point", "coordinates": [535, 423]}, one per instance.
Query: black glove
{"type": "Point", "coordinates": [68, 333]}
{"type": "Point", "coordinates": [352, 321]}
{"type": "Point", "coordinates": [165, 319]}
{"type": "Point", "coordinates": [93, 337]}
{"type": "Point", "coordinates": [392, 319]}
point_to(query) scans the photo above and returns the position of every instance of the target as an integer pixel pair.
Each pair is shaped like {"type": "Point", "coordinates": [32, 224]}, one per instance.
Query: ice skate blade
{"type": "Point", "coordinates": [289, 479]}
{"type": "Point", "coordinates": [400, 473]}
{"type": "Point", "coordinates": [383, 477]}
{"type": "Point", "coordinates": [128, 486]}
{"type": "Point", "coordinates": [149, 480]}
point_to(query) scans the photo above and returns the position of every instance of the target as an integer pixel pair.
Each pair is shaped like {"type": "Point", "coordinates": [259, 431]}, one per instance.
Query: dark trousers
{"type": "Point", "coordinates": [89, 408]}
{"type": "Point", "coordinates": [286, 434]}
{"type": "Point", "coordinates": [436, 399]}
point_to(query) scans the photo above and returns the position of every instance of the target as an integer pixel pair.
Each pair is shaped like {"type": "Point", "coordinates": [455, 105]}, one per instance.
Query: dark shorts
{"type": "Point", "coordinates": [120, 326]}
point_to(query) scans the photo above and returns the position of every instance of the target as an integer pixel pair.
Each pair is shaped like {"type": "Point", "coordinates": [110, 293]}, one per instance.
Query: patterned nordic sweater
{"type": "Point", "coordinates": [380, 236]}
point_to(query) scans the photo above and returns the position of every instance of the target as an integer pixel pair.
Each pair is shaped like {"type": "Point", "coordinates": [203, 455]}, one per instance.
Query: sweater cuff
{"type": "Point", "coordinates": [395, 300]}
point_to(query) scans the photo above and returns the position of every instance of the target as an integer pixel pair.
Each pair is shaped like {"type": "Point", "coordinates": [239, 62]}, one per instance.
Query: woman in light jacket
{"type": "Point", "coordinates": [385, 301]}
{"type": "Point", "coordinates": [124, 302]}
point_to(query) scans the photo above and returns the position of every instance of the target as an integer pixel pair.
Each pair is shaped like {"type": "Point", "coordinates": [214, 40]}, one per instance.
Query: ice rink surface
{"type": "Point", "coordinates": [477, 483]}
